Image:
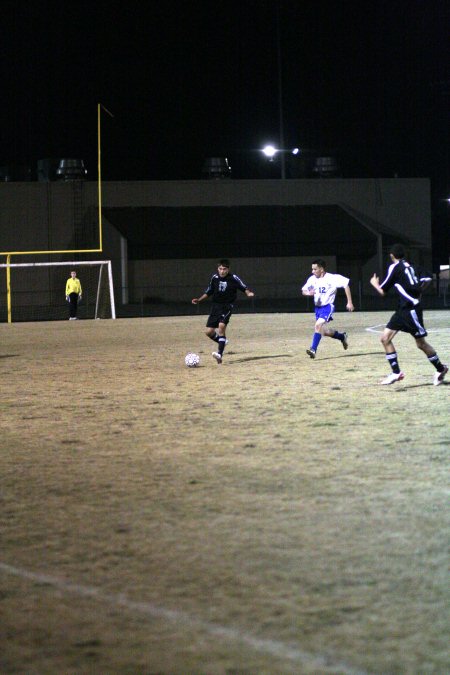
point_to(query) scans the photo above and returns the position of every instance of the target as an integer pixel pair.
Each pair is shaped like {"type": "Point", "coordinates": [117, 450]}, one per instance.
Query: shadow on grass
{"type": "Point", "coordinates": [259, 358]}
{"type": "Point", "coordinates": [417, 386]}
{"type": "Point", "coordinates": [347, 356]}
{"type": "Point", "coordinates": [8, 356]}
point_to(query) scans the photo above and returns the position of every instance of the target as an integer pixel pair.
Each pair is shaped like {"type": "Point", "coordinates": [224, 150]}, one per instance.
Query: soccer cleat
{"type": "Point", "coordinates": [217, 356]}
{"type": "Point", "coordinates": [311, 353]}
{"type": "Point", "coordinates": [393, 377]}
{"type": "Point", "coordinates": [439, 377]}
{"type": "Point", "coordinates": [345, 342]}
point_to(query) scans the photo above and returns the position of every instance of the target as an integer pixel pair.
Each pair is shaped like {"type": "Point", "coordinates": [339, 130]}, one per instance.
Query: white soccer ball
{"type": "Point", "coordinates": [192, 360]}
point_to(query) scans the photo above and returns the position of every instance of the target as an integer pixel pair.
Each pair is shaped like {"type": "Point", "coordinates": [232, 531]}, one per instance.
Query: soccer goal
{"type": "Point", "coordinates": [36, 291]}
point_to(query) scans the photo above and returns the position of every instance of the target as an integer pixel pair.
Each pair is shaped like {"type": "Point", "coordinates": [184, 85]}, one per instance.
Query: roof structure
{"type": "Point", "coordinates": [155, 232]}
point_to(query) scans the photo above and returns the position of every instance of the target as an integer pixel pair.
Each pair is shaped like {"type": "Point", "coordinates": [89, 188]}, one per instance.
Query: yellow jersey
{"type": "Point", "coordinates": [73, 286]}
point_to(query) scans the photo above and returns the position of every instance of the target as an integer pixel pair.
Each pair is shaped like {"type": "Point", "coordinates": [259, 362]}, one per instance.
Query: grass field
{"type": "Point", "coordinates": [270, 515]}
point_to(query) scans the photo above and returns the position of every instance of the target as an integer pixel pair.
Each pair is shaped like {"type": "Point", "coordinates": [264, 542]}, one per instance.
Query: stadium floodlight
{"type": "Point", "coordinates": [270, 151]}
{"type": "Point", "coordinates": [71, 169]}
{"type": "Point", "coordinates": [216, 167]}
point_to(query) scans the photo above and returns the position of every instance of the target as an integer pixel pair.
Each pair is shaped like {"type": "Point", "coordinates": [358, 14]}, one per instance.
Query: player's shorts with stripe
{"type": "Point", "coordinates": [219, 314]}
{"type": "Point", "coordinates": [409, 321]}
{"type": "Point", "coordinates": [325, 312]}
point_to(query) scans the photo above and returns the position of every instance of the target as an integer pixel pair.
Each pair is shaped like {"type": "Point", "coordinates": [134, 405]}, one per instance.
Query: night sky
{"type": "Point", "coordinates": [367, 82]}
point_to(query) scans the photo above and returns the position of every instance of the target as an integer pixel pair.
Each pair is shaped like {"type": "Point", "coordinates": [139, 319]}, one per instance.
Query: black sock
{"type": "Point", "coordinates": [435, 361]}
{"type": "Point", "coordinates": [393, 362]}
{"type": "Point", "coordinates": [221, 340]}
{"type": "Point", "coordinates": [338, 336]}
{"type": "Point", "coordinates": [214, 338]}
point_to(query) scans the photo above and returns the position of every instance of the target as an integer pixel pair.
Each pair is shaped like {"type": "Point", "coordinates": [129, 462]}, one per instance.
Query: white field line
{"type": "Point", "coordinates": [379, 327]}
{"type": "Point", "coordinates": [374, 329]}
{"type": "Point", "coordinates": [273, 647]}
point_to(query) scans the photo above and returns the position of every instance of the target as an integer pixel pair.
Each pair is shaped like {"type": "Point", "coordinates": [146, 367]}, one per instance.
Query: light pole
{"type": "Point", "coordinates": [270, 150]}
{"type": "Point", "coordinates": [280, 95]}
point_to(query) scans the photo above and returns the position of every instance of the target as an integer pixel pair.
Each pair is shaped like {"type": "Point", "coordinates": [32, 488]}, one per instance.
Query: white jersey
{"type": "Point", "coordinates": [325, 287]}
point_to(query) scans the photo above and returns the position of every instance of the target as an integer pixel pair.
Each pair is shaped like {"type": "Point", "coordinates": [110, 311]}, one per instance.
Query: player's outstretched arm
{"type": "Point", "coordinates": [310, 291]}
{"type": "Point", "coordinates": [195, 301]}
{"type": "Point", "coordinates": [348, 293]}
{"type": "Point", "coordinates": [375, 281]}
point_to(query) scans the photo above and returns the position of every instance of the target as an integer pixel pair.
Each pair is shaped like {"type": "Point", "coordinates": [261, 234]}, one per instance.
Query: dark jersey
{"type": "Point", "coordinates": [408, 282]}
{"type": "Point", "coordinates": [224, 289]}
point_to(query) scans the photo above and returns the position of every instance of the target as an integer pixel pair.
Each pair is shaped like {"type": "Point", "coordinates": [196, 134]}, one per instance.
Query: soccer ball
{"type": "Point", "coordinates": [192, 360]}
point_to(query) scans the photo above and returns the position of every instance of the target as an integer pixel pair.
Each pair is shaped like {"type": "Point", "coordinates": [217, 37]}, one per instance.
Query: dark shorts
{"type": "Point", "coordinates": [409, 321]}
{"type": "Point", "coordinates": [219, 314]}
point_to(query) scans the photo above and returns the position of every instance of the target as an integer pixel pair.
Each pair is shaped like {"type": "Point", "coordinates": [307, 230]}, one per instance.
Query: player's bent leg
{"type": "Point", "coordinates": [320, 326]}
{"type": "Point", "coordinates": [396, 374]}
{"type": "Point", "coordinates": [386, 340]}
{"type": "Point", "coordinates": [433, 358]}
{"type": "Point", "coordinates": [222, 340]}
{"type": "Point", "coordinates": [317, 336]}
{"type": "Point", "coordinates": [336, 335]}
{"type": "Point", "coordinates": [424, 346]}
{"type": "Point", "coordinates": [211, 333]}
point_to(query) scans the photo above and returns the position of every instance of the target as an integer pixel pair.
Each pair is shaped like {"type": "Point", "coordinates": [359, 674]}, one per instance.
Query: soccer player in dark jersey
{"type": "Point", "coordinates": [408, 282]}
{"type": "Point", "coordinates": [222, 289]}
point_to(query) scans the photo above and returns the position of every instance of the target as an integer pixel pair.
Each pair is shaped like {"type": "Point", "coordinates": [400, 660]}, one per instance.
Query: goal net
{"type": "Point", "coordinates": [36, 291]}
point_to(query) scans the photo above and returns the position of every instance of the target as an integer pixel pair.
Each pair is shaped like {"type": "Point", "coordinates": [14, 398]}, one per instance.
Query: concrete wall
{"type": "Point", "coordinates": [30, 212]}
{"type": "Point", "coordinates": [182, 280]}
{"type": "Point", "coordinates": [41, 216]}
{"type": "Point", "coordinates": [402, 204]}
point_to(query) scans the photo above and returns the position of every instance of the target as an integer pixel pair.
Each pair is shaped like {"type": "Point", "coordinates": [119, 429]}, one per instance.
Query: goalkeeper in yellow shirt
{"type": "Point", "coordinates": [73, 294]}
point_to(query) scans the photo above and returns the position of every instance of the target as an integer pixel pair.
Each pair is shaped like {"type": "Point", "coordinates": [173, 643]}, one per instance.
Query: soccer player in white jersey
{"type": "Point", "coordinates": [323, 286]}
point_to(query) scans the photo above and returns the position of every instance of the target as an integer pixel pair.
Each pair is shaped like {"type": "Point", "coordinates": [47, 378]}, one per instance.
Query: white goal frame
{"type": "Point", "coordinates": [74, 265]}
